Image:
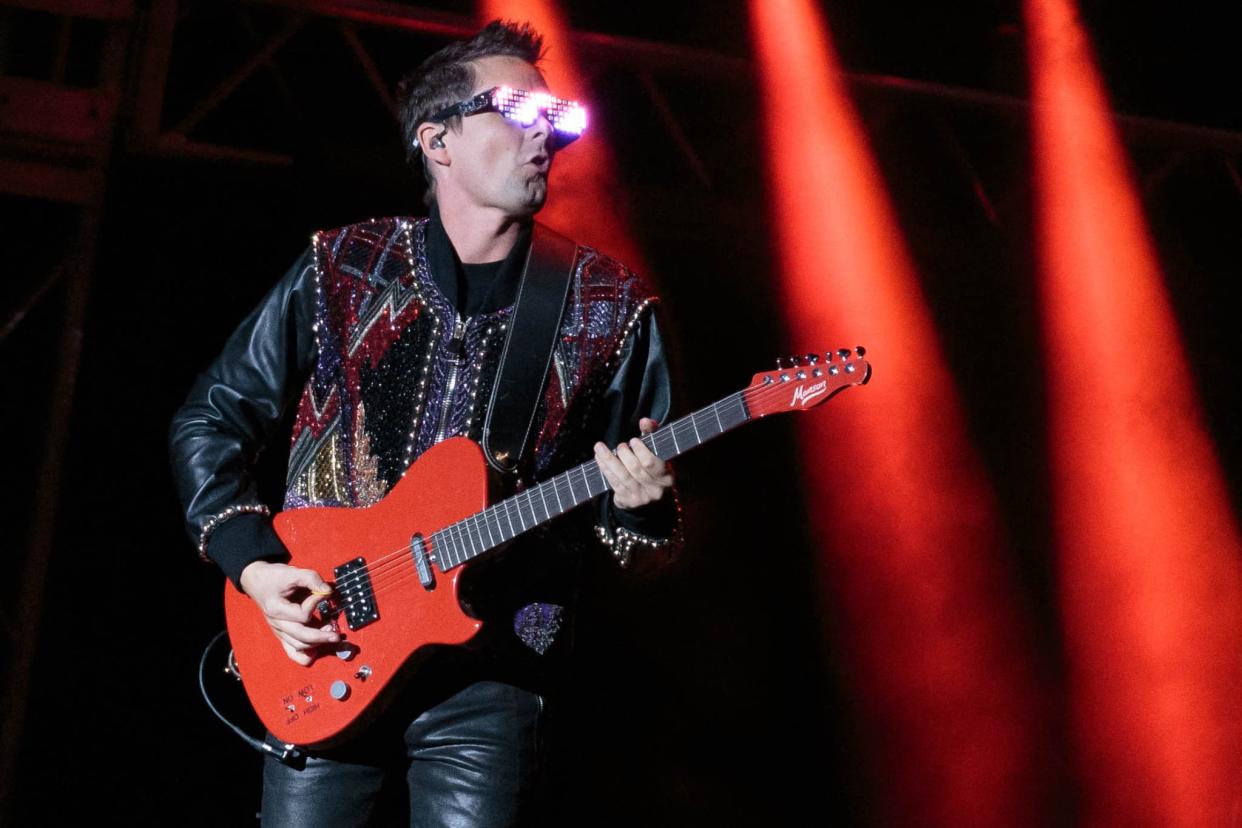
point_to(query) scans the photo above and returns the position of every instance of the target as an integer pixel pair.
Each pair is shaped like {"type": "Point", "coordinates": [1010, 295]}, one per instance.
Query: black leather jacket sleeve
{"type": "Point", "coordinates": [640, 388]}
{"type": "Point", "coordinates": [230, 414]}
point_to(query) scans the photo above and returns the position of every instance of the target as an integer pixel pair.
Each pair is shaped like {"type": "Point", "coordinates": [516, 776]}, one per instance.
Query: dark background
{"type": "Point", "coordinates": [692, 692]}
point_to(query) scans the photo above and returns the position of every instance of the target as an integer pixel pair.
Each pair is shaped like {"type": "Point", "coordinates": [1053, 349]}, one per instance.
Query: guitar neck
{"type": "Point", "coordinates": [467, 539]}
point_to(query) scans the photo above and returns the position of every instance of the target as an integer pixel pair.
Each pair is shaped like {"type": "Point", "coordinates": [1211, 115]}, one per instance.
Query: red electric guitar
{"type": "Point", "coordinates": [395, 565]}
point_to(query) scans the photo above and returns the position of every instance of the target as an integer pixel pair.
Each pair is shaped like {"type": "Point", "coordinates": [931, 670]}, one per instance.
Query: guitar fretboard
{"type": "Point", "coordinates": [465, 540]}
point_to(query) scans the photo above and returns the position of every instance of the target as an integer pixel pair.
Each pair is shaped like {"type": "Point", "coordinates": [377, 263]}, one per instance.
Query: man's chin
{"type": "Point", "coordinates": [536, 195]}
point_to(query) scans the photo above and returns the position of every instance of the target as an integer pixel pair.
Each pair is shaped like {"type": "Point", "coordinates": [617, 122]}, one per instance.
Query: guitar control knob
{"type": "Point", "coordinates": [339, 690]}
{"type": "Point", "coordinates": [346, 653]}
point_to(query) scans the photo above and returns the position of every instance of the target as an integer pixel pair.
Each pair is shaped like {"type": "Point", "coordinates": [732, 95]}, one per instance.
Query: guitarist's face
{"type": "Point", "coordinates": [497, 164]}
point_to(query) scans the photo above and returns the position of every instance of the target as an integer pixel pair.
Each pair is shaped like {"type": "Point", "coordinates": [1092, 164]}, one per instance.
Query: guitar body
{"type": "Point", "coordinates": [296, 703]}
{"type": "Point", "coordinates": [391, 601]}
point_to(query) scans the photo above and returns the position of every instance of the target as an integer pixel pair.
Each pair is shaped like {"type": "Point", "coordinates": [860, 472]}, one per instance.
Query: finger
{"type": "Point", "coordinates": [647, 425]}
{"type": "Point", "coordinates": [287, 641]}
{"type": "Point", "coordinates": [301, 658]}
{"type": "Point", "coordinates": [615, 472]}
{"type": "Point", "coordinates": [645, 472]}
{"type": "Point", "coordinates": [309, 579]}
{"type": "Point", "coordinates": [282, 609]}
{"type": "Point", "coordinates": [633, 466]}
{"type": "Point", "coordinates": [648, 459]}
{"type": "Point", "coordinates": [308, 605]}
{"type": "Point", "coordinates": [293, 646]}
{"type": "Point", "coordinates": [304, 634]}
{"type": "Point", "coordinates": [639, 488]}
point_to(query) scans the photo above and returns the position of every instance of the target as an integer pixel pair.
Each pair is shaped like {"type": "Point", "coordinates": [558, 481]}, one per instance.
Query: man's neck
{"type": "Point", "coordinates": [479, 234]}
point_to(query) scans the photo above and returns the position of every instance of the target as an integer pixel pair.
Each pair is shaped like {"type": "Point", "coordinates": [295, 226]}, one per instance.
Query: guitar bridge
{"type": "Point", "coordinates": [353, 585]}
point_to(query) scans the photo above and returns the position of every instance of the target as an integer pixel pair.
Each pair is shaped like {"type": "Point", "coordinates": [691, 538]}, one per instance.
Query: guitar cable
{"type": "Point", "coordinates": [286, 754]}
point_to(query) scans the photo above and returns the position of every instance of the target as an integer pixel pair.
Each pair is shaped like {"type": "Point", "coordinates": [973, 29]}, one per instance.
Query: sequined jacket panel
{"type": "Point", "coordinates": [397, 370]}
{"type": "Point", "coordinates": [359, 340]}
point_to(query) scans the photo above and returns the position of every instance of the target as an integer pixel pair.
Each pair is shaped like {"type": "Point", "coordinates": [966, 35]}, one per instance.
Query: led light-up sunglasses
{"type": "Point", "coordinates": [568, 118]}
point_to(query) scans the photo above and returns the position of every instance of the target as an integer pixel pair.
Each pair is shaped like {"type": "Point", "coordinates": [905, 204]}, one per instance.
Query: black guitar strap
{"type": "Point", "coordinates": [527, 354]}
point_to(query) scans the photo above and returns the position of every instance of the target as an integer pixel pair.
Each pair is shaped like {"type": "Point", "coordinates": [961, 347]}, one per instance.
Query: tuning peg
{"type": "Point", "coordinates": [844, 353]}
{"type": "Point", "coordinates": [811, 359]}
{"type": "Point", "coordinates": [860, 350]}
{"type": "Point", "coordinates": [828, 356]}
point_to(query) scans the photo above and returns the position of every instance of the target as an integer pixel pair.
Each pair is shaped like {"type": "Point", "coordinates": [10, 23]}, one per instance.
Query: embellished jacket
{"type": "Point", "coordinates": [382, 366]}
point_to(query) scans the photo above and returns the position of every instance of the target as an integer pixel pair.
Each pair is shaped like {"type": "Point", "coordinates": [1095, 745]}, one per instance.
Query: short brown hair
{"type": "Point", "coordinates": [448, 76]}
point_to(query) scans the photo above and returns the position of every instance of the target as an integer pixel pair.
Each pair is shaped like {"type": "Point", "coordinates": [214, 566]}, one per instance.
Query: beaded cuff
{"type": "Point", "coordinates": [210, 525]}
{"type": "Point", "coordinates": [622, 542]}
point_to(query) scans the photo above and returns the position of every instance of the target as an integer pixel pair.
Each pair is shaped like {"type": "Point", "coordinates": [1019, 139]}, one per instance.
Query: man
{"type": "Point", "coordinates": [391, 332]}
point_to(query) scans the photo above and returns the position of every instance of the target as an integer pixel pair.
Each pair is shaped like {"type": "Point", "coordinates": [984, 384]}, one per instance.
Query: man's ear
{"type": "Point", "coordinates": [430, 138]}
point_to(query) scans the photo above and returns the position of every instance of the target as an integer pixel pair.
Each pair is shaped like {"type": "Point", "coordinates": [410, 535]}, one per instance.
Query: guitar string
{"type": "Point", "coordinates": [398, 564]}
{"type": "Point", "coordinates": [400, 559]}
{"type": "Point", "coordinates": [392, 569]}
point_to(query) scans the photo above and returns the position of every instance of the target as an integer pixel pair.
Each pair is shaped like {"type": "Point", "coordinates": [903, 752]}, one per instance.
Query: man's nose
{"type": "Point", "coordinates": [541, 127]}
{"type": "Point", "coordinates": [541, 121]}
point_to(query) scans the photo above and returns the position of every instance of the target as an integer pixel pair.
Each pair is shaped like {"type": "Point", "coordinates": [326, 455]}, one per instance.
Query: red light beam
{"type": "Point", "coordinates": [938, 654]}
{"type": "Point", "coordinates": [1147, 547]}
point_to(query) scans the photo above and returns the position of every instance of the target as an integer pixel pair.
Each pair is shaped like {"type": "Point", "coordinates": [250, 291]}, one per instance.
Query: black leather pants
{"type": "Point", "coordinates": [469, 760]}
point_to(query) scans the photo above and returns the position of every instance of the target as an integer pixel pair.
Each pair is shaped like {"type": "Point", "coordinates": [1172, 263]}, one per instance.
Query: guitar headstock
{"type": "Point", "coordinates": [802, 382]}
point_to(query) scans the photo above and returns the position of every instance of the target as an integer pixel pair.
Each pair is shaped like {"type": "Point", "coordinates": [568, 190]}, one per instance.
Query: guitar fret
{"type": "Point", "coordinates": [455, 551]}
{"type": "Point", "coordinates": [517, 507]}
{"type": "Point", "coordinates": [741, 413]}
{"type": "Point", "coordinates": [546, 514]}
{"type": "Point", "coordinates": [513, 533]}
{"type": "Point", "coordinates": [502, 516]}
{"type": "Point", "coordinates": [490, 521]}
{"type": "Point", "coordinates": [587, 479]}
{"type": "Point", "coordinates": [487, 526]}
{"type": "Point", "coordinates": [455, 548]}
{"type": "Point", "coordinates": [444, 539]}
{"type": "Point", "coordinates": [663, 452]}
{"type": "Point", "coordinates": [472, 533]}
{"type": "Point", "coordinates": [455, 534]}
{"type": "Point", "coordinates": [522, 517]}
{"type": "Point", "coordinates": [438, 549]}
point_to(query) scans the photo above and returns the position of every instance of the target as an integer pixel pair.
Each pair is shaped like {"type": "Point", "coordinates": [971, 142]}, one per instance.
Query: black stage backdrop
{"type": "Point", "coordinates": [693, 693]}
